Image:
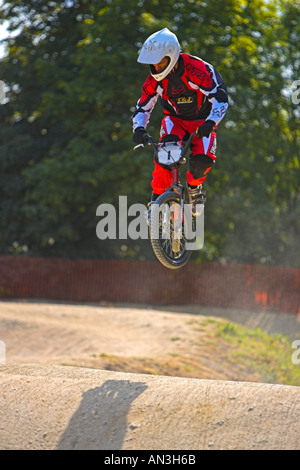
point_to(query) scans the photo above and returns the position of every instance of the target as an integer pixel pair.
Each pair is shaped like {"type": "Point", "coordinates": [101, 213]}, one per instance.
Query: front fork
{"type": "Point", "coordinates": [176, 186]}
{"type": "Point", "coordinates": [177, 215]}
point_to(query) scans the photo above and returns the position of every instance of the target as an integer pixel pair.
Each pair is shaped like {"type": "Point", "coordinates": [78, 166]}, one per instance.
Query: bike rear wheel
{"type": "Point", "coordinates": [167, 231]}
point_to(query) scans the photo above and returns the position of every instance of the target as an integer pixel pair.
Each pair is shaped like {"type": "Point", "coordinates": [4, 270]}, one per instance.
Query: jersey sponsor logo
{"type": "Point", "coordinates": [185, 100]}
{"type": "Point", "coordinates": [220, 111]}
{"type": "Point", "coordinates": [177, 90]}
{"type": "Point", "coordinates": [203, 76]}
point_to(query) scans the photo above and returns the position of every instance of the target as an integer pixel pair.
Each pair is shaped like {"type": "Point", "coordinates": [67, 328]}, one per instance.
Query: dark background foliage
{"type": "Point", "coordinates": [66, 133]}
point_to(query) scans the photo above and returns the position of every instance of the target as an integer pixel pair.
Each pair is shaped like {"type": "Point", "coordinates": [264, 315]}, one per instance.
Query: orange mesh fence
{"type": "Point", "coordinates": [255, 287]}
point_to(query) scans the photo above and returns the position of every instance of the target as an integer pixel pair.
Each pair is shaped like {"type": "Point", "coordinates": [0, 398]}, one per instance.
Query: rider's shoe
{"type": "Point", "coordinates": [197, 198]}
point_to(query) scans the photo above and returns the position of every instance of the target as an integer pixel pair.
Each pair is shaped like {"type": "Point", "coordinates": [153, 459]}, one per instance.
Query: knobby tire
{"type": "Point", "coordinates": [159, 245]}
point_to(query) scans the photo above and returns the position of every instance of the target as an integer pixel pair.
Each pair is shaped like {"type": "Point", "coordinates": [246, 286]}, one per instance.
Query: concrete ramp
{"type": "Point", "coordinates": [57, 407]}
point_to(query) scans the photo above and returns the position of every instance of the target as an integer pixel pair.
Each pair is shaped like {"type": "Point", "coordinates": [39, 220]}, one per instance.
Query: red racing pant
{"type": "Point", "coordinates": [203, 150]}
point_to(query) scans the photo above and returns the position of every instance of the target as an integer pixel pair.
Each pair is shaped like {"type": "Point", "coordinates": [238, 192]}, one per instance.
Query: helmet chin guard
{"type": "Point", "coordinates": [161, 44]}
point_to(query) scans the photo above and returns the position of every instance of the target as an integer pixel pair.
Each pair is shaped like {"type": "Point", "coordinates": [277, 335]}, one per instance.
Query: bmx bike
{"type": "Point", "coordinates": [170, 220]}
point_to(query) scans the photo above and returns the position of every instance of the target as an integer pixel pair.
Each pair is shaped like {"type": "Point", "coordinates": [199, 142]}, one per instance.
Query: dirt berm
{"type": "Point", "coordinates": [61, 407]}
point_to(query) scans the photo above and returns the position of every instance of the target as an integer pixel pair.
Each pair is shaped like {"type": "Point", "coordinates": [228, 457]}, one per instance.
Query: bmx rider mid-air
{"type": "Point", "coordinates": [193, 96]}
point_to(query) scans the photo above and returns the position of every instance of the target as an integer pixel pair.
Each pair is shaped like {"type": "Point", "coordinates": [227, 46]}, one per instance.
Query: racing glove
{"type": "Point", "coordinates": [139, 135]}
{"type": "Point", "coordinates": [206, 129]}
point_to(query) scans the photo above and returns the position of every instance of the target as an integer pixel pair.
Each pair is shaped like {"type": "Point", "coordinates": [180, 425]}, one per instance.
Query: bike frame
{"type": "Point", "coordinates": [174, 254]}
{"type": "Point", "coordinates": [175, 176]}
{"type": "Point", "coordinates": [176, 186]}
{"type": "Point", "coordinates": [175, 168]}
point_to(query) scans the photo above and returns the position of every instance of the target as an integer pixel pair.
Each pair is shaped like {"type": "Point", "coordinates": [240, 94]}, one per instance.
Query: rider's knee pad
{"type": "Point", "coordinates": [200, 165]}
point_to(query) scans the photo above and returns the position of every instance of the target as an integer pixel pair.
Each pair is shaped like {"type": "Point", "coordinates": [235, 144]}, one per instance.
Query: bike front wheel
{"type": "Point", "coordinates": [167, 231]}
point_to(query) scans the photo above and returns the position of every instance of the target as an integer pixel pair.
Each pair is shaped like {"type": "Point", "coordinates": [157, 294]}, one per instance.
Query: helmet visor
{"type": "Point", "coordinates": [151, 54]}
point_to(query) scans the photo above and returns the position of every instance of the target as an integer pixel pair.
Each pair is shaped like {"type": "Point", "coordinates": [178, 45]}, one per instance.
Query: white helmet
{"type": "Point", "coordinates": [161, 44]}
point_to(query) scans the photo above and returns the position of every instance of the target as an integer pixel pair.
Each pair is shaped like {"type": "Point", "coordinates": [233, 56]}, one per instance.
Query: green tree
{"type": "Point", "coordinates": [65, 138]}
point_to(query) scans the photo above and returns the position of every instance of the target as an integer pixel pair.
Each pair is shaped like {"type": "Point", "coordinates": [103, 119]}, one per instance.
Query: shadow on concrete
{"type": "Point", "coordinates": [100, 422]}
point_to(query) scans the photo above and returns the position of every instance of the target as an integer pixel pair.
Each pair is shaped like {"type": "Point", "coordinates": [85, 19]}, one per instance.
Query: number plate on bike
{"type": "Point", "coordinates": [169, 153]}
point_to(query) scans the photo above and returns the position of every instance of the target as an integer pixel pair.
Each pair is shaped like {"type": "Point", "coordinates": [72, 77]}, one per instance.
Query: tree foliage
{"type": "Point", "coordinates": [65, 137]}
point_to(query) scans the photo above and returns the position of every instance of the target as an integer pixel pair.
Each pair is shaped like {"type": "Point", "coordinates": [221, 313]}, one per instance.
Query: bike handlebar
{"type": "Point", "coordinates": [148, 140]}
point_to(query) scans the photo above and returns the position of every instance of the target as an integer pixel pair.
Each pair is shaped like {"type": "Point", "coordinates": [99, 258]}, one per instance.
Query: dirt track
{"type": "Point", "coordinates": [47, 405]}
